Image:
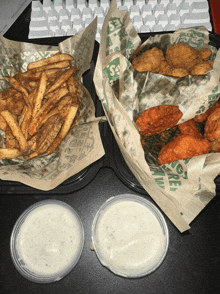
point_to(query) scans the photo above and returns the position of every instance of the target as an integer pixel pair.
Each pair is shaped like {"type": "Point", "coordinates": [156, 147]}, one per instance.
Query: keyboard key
{"type": "Point", "coordinates": [184, 8]}
{"type": "Point", "coordinates": [63, 14]}
{"type": "Point", "coordinates": [75, 14]}
{"type": "Point", "coordinates": [36, 6]}
{"type": "Point", "coordinates": [81, 4]}
{"type": "Point", "coordinates": [150, 20]}
{"type": "Point", "coordinates": [40, 34]}
{"type": "Point", "coordinates": [78, 24]}
{"type": "Point", "coordinates": [153, 3]}
{"type": "Point", "coordinates": [134, 10]}
{"type": "Point", "coordinates": [146, 10]}
{"type": "Point", "coordinates": [58, 5]}
{"type": "Point", "coordinates": [54, 25]}
{"type": "Point", "coordinates": [99, 11]}
{"type": "Point", "coordinates": [71, 32]}
{"type": "Point", "coordinates": [175, 19]}
{"type": "Point", "coordinates": [69, 5]}
{"type": "Point", "coordinates": [39, 25]}
{"type": "Point", "coordinates": [198, 7]}
{"type": "Point", "coordinates": [52, 15]}
{"type": "Point", "coordinates": [158, 10]}
{"type": "Point", "coordinates": [93, 4]}
{"type": "Point", "coordinates": [59, 33]}
{"type": "Point", "coordinates": [66, 24]}
{"type": "Point", "coordinates": [105, 5]}
{"type": "Point", "coordinates": [38, 15]}
{"type": "Point", "coordinates": [198, 18]}
{"type": "Point", "coordinates": [137, 22]}
{"type": "Point", "coordinates": [171, 9]}
{"type": "Point", "coordinates": [157, 28]}
{"type": "Point", "coordinates": [47, 5]}
{"type": "Point", "coordinates": [163, 20]}
{"type": "Point", "coordinates": [144, 29]}
{"type": "Point", "coordinates": [86, 13]}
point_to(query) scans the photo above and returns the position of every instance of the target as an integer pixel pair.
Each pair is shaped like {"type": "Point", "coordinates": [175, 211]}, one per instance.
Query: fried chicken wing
{"type": "Point", "coordinates": [212, 125]}
{"type": "Point", "coordinates": [183, 146]}
{"type": "Point", "coordinates": [182, 56]}
{"type": "Point", "coordinates": [157, 119]}
{"type": "Point", "coordinates": [150, 60]}
{"type": "Point", "coordinates": [190, 128]}
{"type": "Point", "coordinates": [202, 68]}
{"type": "Point", "coordinates": [204, 54]}
{"type": "Point", "coordinates": [202, 117]}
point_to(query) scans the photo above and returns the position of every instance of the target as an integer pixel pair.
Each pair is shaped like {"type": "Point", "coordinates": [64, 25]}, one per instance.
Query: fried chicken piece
{"type": "Point", "coordinates": [150, 60]}
{"type": "Point", "coordinates": [157, 119]}
{"type": "Point", "coordinates": [167, 70]}
{"type": "Point", "coordinates": [183, 146]}
{"type": "Point", "coordinates": [202, 68]}
{"type": "Point", "coordinates": [204, 54]}
{"type": "Point", "coordinates": [212, 125]}
{"type": "Point", "coordinates": [190, 128]}
{"type": "Point", "coordinates": [215, 146]}
{"type": "Point", "coordinates": [182, 56]}
{"type": "Point", "coordinates": [179, 72]}
{"type": "Point", "coordinates": [202, 117]}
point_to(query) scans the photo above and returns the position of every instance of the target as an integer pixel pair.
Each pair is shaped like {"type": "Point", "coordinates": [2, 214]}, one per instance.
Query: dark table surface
{"type": "Point", "coordinates": [192, 264]}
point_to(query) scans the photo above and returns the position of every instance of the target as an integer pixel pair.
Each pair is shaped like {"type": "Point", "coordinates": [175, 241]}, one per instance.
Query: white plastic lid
{"type": "Point", "coordinates": [47, 241]}
{"type": "Point", "coordinates": [130, 236]}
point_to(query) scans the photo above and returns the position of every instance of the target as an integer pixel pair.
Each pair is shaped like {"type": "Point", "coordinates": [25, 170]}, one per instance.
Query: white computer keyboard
{"type": "Point", "coordinates": [66, 17]}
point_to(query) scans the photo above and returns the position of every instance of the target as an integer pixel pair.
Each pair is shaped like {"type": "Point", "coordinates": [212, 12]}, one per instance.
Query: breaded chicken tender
{"type": "Point", "coordinates": [157, 119]}
{"type": "Point", "coordinates": [150, 60]}
{"type": "Point", "coordinates": [202, 68]}
{"type": "Point", "coordinates": [182, 56]}
{"type": "Point", "coordinates": [202, 117]}
{"type": "Point", "coordinates": [212, 126]}
{"type": "Point", "coordinates": [183, 146]}
{"type": "Point", "coordinates": [190, 128]}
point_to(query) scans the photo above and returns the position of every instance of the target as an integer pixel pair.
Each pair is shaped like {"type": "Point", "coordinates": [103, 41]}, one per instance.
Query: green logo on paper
{"type": "Point", "coordinates": [114, 25]}
{"type": "Point", "coordinates": [112, 70]}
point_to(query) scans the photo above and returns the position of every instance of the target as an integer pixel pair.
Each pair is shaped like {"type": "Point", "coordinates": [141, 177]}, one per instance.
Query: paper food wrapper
{"type": "Point", "coordinates": [83, 145]}
{"type": "Point", "coordinates": [182, 188]}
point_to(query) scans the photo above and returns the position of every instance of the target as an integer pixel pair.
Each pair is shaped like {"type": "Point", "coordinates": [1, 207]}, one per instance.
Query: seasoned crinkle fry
{"type": "Point", "coordinates": [38, 109]}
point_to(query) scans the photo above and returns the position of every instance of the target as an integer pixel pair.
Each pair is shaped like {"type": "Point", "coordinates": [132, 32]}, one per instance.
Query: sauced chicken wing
{"type": "Point", "coordinates": [183, 146]}
{"type": "Point", "coordinates": [157, 119]}
{"type": "Point", "coordinates": [212, 125]}
{"type": "Point", "coordinates": [202, 117]}
{"type": "Point", "coordinates": [189, 128]}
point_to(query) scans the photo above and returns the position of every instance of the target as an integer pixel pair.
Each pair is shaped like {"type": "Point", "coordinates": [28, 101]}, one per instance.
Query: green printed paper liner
{"type": "Point", "coordinates": [83, 145]}
{"type": "Point", "coordinates": [182, 188]}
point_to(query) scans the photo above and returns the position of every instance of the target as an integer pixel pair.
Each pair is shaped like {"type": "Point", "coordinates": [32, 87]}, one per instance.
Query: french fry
{"type": "Point", "coordinates": [3, 124]}
{"type": "Point", "coordinates": [15, 84]}
{"type": "Point", "coordinates": [39, 94]}
{"type": "Point", "coordinates": [64, 130]}
{"type": "Point", "coordinates": [6, 153]}
{"type": "Point", "coordinates": [53, 59]}
{"type": "Point", "coordinates": [48, 133]}
{"type": "Point", "coordinates": [37, 120]}
{"type": "Point", "coordinates": [15, 129]}
{"type": "Point", "coordinates": [25, 123]}
{"type": "Point", "coordinates": [11, 141]}
{"type": "Point", "coordinates": [61, 79]}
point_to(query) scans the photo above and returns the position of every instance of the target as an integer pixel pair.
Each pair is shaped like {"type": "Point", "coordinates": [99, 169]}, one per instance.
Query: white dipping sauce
{"type": "Point", "coordinates": [129, 239]}
{"type": "Point", "coordinates": [49, 240]}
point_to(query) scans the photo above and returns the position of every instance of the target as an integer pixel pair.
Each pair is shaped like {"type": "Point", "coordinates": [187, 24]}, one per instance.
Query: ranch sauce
{"type": "Point", "coordinates": [130, 238]}
{"type": "Point", "coordinates": [49, 240]}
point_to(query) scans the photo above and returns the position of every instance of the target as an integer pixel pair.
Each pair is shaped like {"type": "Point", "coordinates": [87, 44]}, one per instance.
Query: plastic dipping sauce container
{"type": "Point", "coordinates": [130, 236]}
{"type": "Point", "coordinates": [47, 241]}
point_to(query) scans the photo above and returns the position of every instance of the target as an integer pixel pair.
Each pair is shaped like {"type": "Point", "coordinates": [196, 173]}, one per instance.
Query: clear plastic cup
{"type": "Point", "coordinates": [130, 236]}
{"type": "Point", "coordinates": [47, 241]}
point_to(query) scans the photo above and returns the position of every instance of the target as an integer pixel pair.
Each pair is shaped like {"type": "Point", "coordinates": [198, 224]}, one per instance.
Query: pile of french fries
{"type": "Point", "coordinates": [38, 110]}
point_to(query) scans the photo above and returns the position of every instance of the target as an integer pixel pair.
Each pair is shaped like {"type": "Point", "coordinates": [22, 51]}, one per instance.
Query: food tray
{"type": "Point", "coordinates": [113, 158]}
